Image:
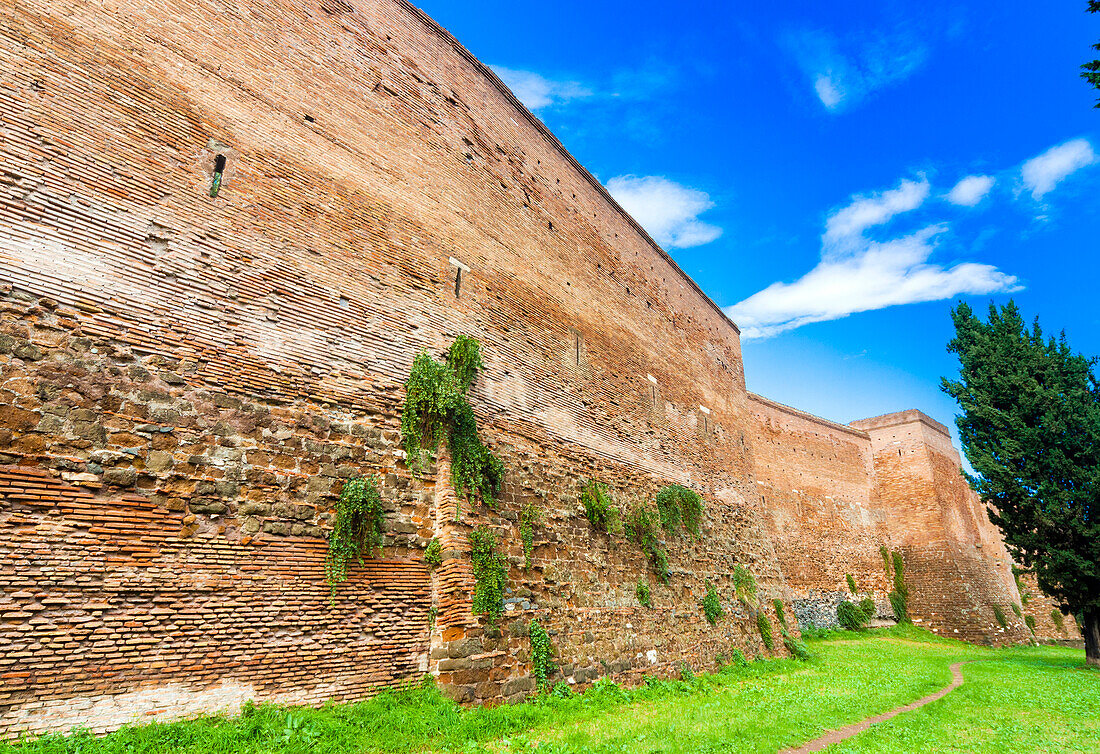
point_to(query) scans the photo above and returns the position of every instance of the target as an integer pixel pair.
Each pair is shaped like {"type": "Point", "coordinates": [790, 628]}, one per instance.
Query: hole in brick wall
{"type": "Point", "coordinates": [309, 119]}
{"type": "Point", "coordinates": [219, 168]}
{"type": "Point", "coordinates": [458, 281]}
{"type": "Point", "coordinates": [550, 224]}
{"type": "Point", "coordinates": [577, 347]}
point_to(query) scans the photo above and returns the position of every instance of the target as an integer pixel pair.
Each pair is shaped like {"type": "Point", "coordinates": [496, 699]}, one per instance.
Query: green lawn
{"type": "Point", "coordinates": [1029, 699]}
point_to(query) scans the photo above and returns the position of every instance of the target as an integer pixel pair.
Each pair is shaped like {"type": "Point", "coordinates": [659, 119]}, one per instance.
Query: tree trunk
{"type": "Point", "coordinates": [1091, 632]}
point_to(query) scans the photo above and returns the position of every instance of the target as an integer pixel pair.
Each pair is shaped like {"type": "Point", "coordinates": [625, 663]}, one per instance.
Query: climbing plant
{"type": "Point", "coordinates": [436, 409]}
{"type": "Point", "coordinates": [356, 528]}
{"type": "Point", "coordinates": [679, 505]}
{"type": "Point", "coordinates": [999, 616]}
{"type": "Point", "coordinates": [433, 554]}
{"type": "Point", "coordinates": [1030, 621]}
{"type": "Point", "coordinates": [1016, 609]}
{"type": "Point", "coordinates": [850, 616]}
{"type": "Point", "coordinates": [867, 605]}
{"type": "Point", "coordinates": [597, 506]}
{"type": "Point", "coordinates": [712, 606]}
{"type": "Point", "coordinates": [541, 652]}
{"type": "Point", "coordinates": [899, 597]}
{"type": "Point", "coordinates": [529, 517]}
{"type": "Point", "coordinates": [851, 584]}
{"type": "Point", "coordinates": [640, 528]}
{"type": "Point", "coordinates": [885, 559]}
{"type": "Point", "coordinates": [1059, 621]}
{"type": "Point", "coordinates": [642, 593]}
{"type": "Point", "coordinates": [780, 613]}
{"type": "Point", "coordinates": [765, 628]}
{"type": "Point", "coordinates": [490, 574]}
{"type": "Point", "coordinates": [744, 583]}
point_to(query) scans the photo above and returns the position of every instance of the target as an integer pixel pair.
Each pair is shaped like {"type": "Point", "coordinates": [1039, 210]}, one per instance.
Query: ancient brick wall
{"type": "Point", "coordinates": [815, 482]}
{"type": "Point", "coordinates": [187, 381]}
{"type": "Point", "coordinates": [956, 565]}
{"type": "Point", "coordinates": [1041, 607]}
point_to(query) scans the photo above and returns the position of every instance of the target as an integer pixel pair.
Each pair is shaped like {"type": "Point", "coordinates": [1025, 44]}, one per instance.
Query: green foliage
{"type": "Point", "coordinates": [1030, 427]}
{"type": "Point", "coordinates": [851, 616]}
{"type": "Point", "coordinates": [886, 559]}
{"type": "Point", "coordinates": [765, 628]}
{"type": "Point", "coordinates": [490, 574]}
{"type": "Point", "coordinates": [640, 528]}
{"type": "Point", "coordinates": [745, 584]}
{"type": "Point", "coordinates": [780, 613]}
{"type": "Point", "coordinates": [529, 517]}
{"type": "Point", "coordinates": [687, 675]}
{"type": "Point", "coordinates": [999, 615]}
{"type": "Point", "coordinates": [541, 652]}
{"type": "Point", "coordinates": [642, 593]}
{"type": "Point", "coordinates": [867, 606]}
{"type": "Point", "coordinates": [433, 613]}
{"type": "Point", "coordinates": [678, 505]}
{"type": "Point", "coordinates": [797, 648]}
{"type": "Point", "coordinates": [356, 528]}
{"type": "Point", "coordinates": [433, 554]}
{"type": "Point", "coordinates": [737, 659]}
{"type": "Point", "coordinates": [561, 690]}
{"type": "Point", "coordinates": [712, 606]}
{"type": "Point", "coordinates": [436, 409]}
{"type": "Point", "coordinates": [1059, 620]}
{"type": "Point", "coordinates": [1030, 621]}
{"type": "Point", "coordinates": [1090, 71]}
{"type": "Point", "coordinates": [1016, 609]}
{"type": "Point", "coordinates": [899, 597]}
{"type": "Point", "coordinates": [851, 583]}
{"type": "Point", "coordinates": [597, 506]}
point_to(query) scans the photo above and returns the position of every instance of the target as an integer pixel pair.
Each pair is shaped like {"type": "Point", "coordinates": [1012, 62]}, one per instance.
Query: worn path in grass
{"type": "Point", "coordinates": [836, 736]}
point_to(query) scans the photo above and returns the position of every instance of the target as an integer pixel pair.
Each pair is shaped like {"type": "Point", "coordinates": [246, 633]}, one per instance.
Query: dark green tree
{"type": "Point", "coordinates": [1091, 70]}
{"type": "Point", "coordinates": [1030, 427]}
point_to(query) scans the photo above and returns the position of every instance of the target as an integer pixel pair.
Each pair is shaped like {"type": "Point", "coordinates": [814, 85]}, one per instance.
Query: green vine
{"type": "Point", "coordinates": [712, 606]}
{"type": "Point", "coordinates": [885, 559]}
{"type": "Point", "coordinates": [356, 529]}
{"type": "Point", "coordinates": [1016, 609]}
{"type": "Point", "coordinates": [1030, 621]}
{"type": "Point", "coordinates": [765, 628]}
{"type": "Point", "coordinates": [640, 528]}
{"type": "Point", "coordinates": [678, 505]}
{"type": "Point", "coordinates": [597, 506]}
{"type": "Point", "coordinates": [999, 616]}
{"type": "Point", "coordinates": [642, 593]}
{"type": "Point", "coordinates": [433, 554]}
{"type": "Point", "coordinates": [745, 584]}
{"type": "Point", "coordinates": [899, 597]}
{"type": "Point", "coordinates": [529, 517]}
{"type": "Point", "coordinates": [541, 652]}
{"type": "Point", "coordinates": [780, 613]}
{"type": "Point", "coordinates": [1059, 620]}
{"type": "Point", "coordinates": [436, 409]}
{"type": "Point", "coordinates": [490, 574]}
{"type": "Point", "coordinates": [851, 583]}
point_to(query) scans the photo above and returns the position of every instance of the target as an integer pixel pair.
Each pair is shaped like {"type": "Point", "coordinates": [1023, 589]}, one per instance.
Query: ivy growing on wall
{"type": "Point", "coordinates": [899, 597]}
{"type": "Point", "coordinates": [436, 409]}
{"type": "Point", "coordinates": [850, 616]}
{"type": "Point", "coordinates": [780, 613]}
{"type": "Point", "coordinates": [642, 593]}
{"type": "Point", "coordinates": [999, 616]}
{"type": "Point", "coordinates": [679, 505]}
{"type": "Point", "coordinates": [1016, 609]}
{"type": "Point", "coordinates": [885, 559]}
{"type": "Point", "coordinates": [597, 506]}
{"type": "Point", "coordinates": [640, 528]}
{"type": "Point", "coordinates": [1059, 621]}
{"type": "Point", "coordinates": [745, 584]}
{"type": "Point", "coordinates": [529, 517]}
{"type": "Point", "coordinates": [541, 652]}
{"type": "Point", "coordinates": [765, 628]}
{"type": "Point", "coordinates": [433, 554]}
{"type": "Point", "coordinates": [851, 583]}
{"type": "Point", "coordinates": [490, 574]}
{"type": "Point", "coordinates": [712, 606]}
{"type": "Point", "coordinates": [356, 528]}
{"type": "Point", "coordinates": [1030, 621]}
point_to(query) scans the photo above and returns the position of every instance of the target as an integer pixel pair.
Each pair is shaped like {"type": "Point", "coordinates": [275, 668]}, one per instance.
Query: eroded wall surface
{"type": "Point", "coordinates": [187, 381]}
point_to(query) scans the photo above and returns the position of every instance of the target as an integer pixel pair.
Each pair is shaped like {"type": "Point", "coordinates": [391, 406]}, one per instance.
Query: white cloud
{"type": "Point", "coordinates": [971, 190]}
{"type": "Point", "coordinates": [536, 91]}
{"type": "Point", "coordinates": [668, 211]}
{"type": "Point", "coordinates": [858, 274]}
{"type": "Point", "coordinates": [846, 71]}
{"type": "Point", "coordinates": [1042, 173]}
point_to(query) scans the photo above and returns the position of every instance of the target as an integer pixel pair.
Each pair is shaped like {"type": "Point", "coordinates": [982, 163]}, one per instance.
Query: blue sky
{"type": "Point", "coordinates": [835, 176]}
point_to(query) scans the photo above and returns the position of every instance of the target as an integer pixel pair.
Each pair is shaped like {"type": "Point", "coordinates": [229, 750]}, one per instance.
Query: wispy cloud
{"type": "Point", "coordinates": [536, 91]}
{"type": "Point", "coordinates": [1042, 173]}
{"type": "Point", "coordinates": [845, 71]}
{"type": "Point", "coordinates": [856, 273]}
{"type": "Point", "coordinates": [667, 210]}
{"type": "Point", "coordinates": [970, 191]}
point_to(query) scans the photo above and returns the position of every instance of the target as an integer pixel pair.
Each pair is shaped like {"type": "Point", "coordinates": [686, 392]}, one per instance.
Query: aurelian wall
{"type": "Point", "coordinates": [187, 381]}
{"type": "Point", "coordinates": [815, 482]}
{"type": "Point", "coordinates": [956, 564]}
